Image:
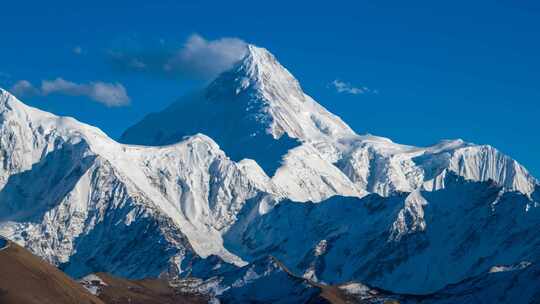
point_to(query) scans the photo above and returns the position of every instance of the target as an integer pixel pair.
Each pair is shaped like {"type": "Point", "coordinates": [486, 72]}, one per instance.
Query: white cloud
{"type": "Point", "coordinates": [345, 87]}
{"type": "Point", "coordinates": [24, 88]}
{"type": "Point", "coordinates": [109, 94]}
{"type": "Point", "coordinates": [197, 58]}
{"type": "Point", "coordinates": [207, 58]}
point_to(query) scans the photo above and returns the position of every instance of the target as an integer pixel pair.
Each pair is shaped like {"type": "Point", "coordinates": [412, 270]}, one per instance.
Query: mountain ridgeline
{"type": "Point", "coordinates": [250, 181]}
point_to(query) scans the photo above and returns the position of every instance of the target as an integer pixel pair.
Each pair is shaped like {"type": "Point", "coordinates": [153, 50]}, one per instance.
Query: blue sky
{"type": "Point", "coordinates": [465, 69]}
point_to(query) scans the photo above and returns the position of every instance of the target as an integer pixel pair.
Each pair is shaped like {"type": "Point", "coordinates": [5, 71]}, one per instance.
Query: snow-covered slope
{"type": "Point", "coordinates": [415, 242]}
{"type": "Point", "coordinates": [380, 166]}
{"type": "Point", "coordinates": [67, 190]}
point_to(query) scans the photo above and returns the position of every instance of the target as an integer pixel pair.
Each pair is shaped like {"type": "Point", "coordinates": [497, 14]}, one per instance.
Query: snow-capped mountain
{"type": "Point", "coordinates": [249, 167]}
{"type": "Point", "coordinates": [67, 188]}
{"type": "Point", "coordinates": [258, 110]}
{"type": "Point", "coordinates": [257, 97]}
{"type": "Point", "coordinates": [414, 242]}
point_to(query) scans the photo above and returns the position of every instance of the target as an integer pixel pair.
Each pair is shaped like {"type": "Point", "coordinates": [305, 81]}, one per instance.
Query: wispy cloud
{"type": "Point", "coordinates": [345, 87]}
{"type": "Point", "coordinates": [109, 94]}
{"type": "Point", "coordinates": [78, 50]}
{"type": "Point", "coordinates": [196, 58]}
{"type": "Point", "coordinates": [24, 88]}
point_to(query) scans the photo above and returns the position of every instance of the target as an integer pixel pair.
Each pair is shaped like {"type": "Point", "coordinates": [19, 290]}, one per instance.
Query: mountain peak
{"type": "Point", "coordinates": [258, 59]}
{"type": "Point", "coordinates": [255, 99]}
{"type": "Point", "coordinates": [255, 109]}
{"type": "Point", "coordinates": [259, 86]}
{"type": "Point", "coordinates": [259, 72]}
{"type": "Point", "coordinates": [260, 64]}
{"type": "Point", "coordinates": [258, 56]}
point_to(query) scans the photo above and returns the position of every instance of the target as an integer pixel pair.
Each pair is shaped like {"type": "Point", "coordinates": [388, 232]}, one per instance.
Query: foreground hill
{"type": "Point", "coordinates": [27, 279]}
{"type": "Point", "coordinates": [115, 290]}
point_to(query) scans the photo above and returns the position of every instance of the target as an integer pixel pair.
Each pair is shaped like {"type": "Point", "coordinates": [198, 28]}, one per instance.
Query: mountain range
{"type": "Point", "coordinates": [232, 184]}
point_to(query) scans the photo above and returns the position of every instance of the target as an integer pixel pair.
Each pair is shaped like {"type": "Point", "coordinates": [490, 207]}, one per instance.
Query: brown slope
{"type": "Point", "coordinates": [147, 291]}
{"type": "Point", "coordinates": [26, 279]}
